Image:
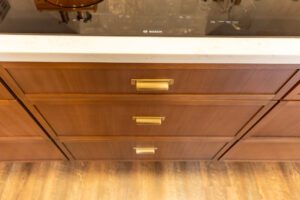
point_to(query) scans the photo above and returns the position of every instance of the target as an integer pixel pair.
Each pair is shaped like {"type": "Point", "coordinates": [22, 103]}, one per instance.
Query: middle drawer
{"type": "Point", "coordinates": [147, 116]}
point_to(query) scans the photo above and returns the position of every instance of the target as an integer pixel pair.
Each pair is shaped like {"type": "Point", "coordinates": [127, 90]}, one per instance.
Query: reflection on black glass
{"type": "Point", "coordinates": [4, 8]}
{"type": "Point", "coordinates": [83, 8]}
{"type": "Point", "coordinates": [193, 18]}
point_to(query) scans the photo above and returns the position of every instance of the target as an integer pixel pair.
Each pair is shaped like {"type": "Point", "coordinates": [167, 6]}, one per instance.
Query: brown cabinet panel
{"type": "Point", "coordinates": [24, 150]}
{"type": "Point", "coordinates": [282, 121]}
{"type": "Point", "coordinates": [294, 94]}
{"type": "Point", "coordinates": [186, 81]}
{"type": "Point", "coordinates": [92, 118]}
{"type": "Point", "coordinates": [15, 121]}
{"type": "Point", "coordinates": [265, 149]}
{"type": "Point", "coordinates": [4, 94]}
{"type": "Point", "coordinates": [126, 149]}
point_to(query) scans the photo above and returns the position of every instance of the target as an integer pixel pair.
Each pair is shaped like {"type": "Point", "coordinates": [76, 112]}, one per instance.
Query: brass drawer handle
{"type": "Point", "coordinates": [152, 84]}
{"type": "Point", "coordinates": [145, 150]}
{"type": "Point", "coordinates": [145, 120]}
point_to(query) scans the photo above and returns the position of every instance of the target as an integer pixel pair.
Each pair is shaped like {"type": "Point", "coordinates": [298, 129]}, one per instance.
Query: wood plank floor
{"type": "Point", "coordinates": [149, 180]}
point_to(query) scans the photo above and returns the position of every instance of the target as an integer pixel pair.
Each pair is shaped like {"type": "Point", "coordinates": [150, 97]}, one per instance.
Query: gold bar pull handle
{"type": "Point", "coordinates": [146, 120]}
{"type": "Point", "coordinates": [152, 84]}
{"type": "Point", "coordinates": [145, 150]}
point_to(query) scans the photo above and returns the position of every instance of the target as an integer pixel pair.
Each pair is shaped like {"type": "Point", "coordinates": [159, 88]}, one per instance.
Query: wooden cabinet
{"type": "Point", "coordinates": [282, 121]}
{"type": "Point", "coordinates": [21, 138]}
{"type": "Point", "coordinates": [265, 149]}
{"type": "Point", "coordinates": [122, 117]}
{"type": "Point", "coordinates": [4, 94]}
{"type": "Point", "coordinates": [145, 149]}
{"type": "Point", "coordinates": [24, 149]}
{"type": "Point", "coordinates": [275, 137]}
{"type": "Point", "coordinates": [16, 122]}
{"type": "Point", "coordinates": [114, 111]}
{"type": "Point", "coordinates": [37, 78]}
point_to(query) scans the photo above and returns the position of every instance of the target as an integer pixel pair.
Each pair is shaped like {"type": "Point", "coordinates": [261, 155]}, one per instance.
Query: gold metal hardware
{"type": "Point", "coordinates": [147, 120]}
{"type": "Point", "coordinates": [152, 84]}
{"type": "Point", "coordinates": [145, 150]}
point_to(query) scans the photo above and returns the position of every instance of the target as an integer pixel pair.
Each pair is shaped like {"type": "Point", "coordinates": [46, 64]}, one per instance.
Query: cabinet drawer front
{"type": "Point", "coordinates": [209, 118]}
{"type": "Point", "coordinates": [265, 149]}
{"type": "Point", "coordinates": [186, 81]}
{"type": "Point", "coordinates": [4, 94]}
{"type": "Point", "coordinates": [15, 121]}
{"type": "Point", "coordinates": [28, 150]}
{"type": "Point", "coordinates": [282, 121]}
{"type": "Point", "coordinates": [294, 94]}
{"type": "Point", "coordinates": [146, 149]}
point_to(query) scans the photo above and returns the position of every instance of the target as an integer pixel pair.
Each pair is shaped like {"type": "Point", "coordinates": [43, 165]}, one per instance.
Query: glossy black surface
{"type": "Point", "coordinates": [190, 18]}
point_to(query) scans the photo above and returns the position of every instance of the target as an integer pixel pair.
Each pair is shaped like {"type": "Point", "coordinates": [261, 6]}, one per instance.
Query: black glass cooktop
{"type": "Point", "coordinates": [189, 18]}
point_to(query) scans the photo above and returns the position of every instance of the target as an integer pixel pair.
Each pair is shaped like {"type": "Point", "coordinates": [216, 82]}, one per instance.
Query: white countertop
{"type": "Point", "coordinates": [32, 48]}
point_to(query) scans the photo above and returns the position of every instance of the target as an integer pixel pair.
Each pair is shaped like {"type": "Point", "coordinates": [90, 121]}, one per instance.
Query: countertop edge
{"type": "Point", "coordinates": [51, 48]}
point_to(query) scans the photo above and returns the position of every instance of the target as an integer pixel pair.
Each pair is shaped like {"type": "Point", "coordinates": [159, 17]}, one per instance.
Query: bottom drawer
{"type": "Point", "coordinates": [29, 149]}
{"type": "Point", "coordinates": [265, 149]}
{"type": "Point", "coordinates": [145, 149]}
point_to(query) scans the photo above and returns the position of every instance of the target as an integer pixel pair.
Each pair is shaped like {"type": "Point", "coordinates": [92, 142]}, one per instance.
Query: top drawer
{"type": "Point", "coordinates": [120, 78]}
{"type": "Point", "coordinates": [4, 94]}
